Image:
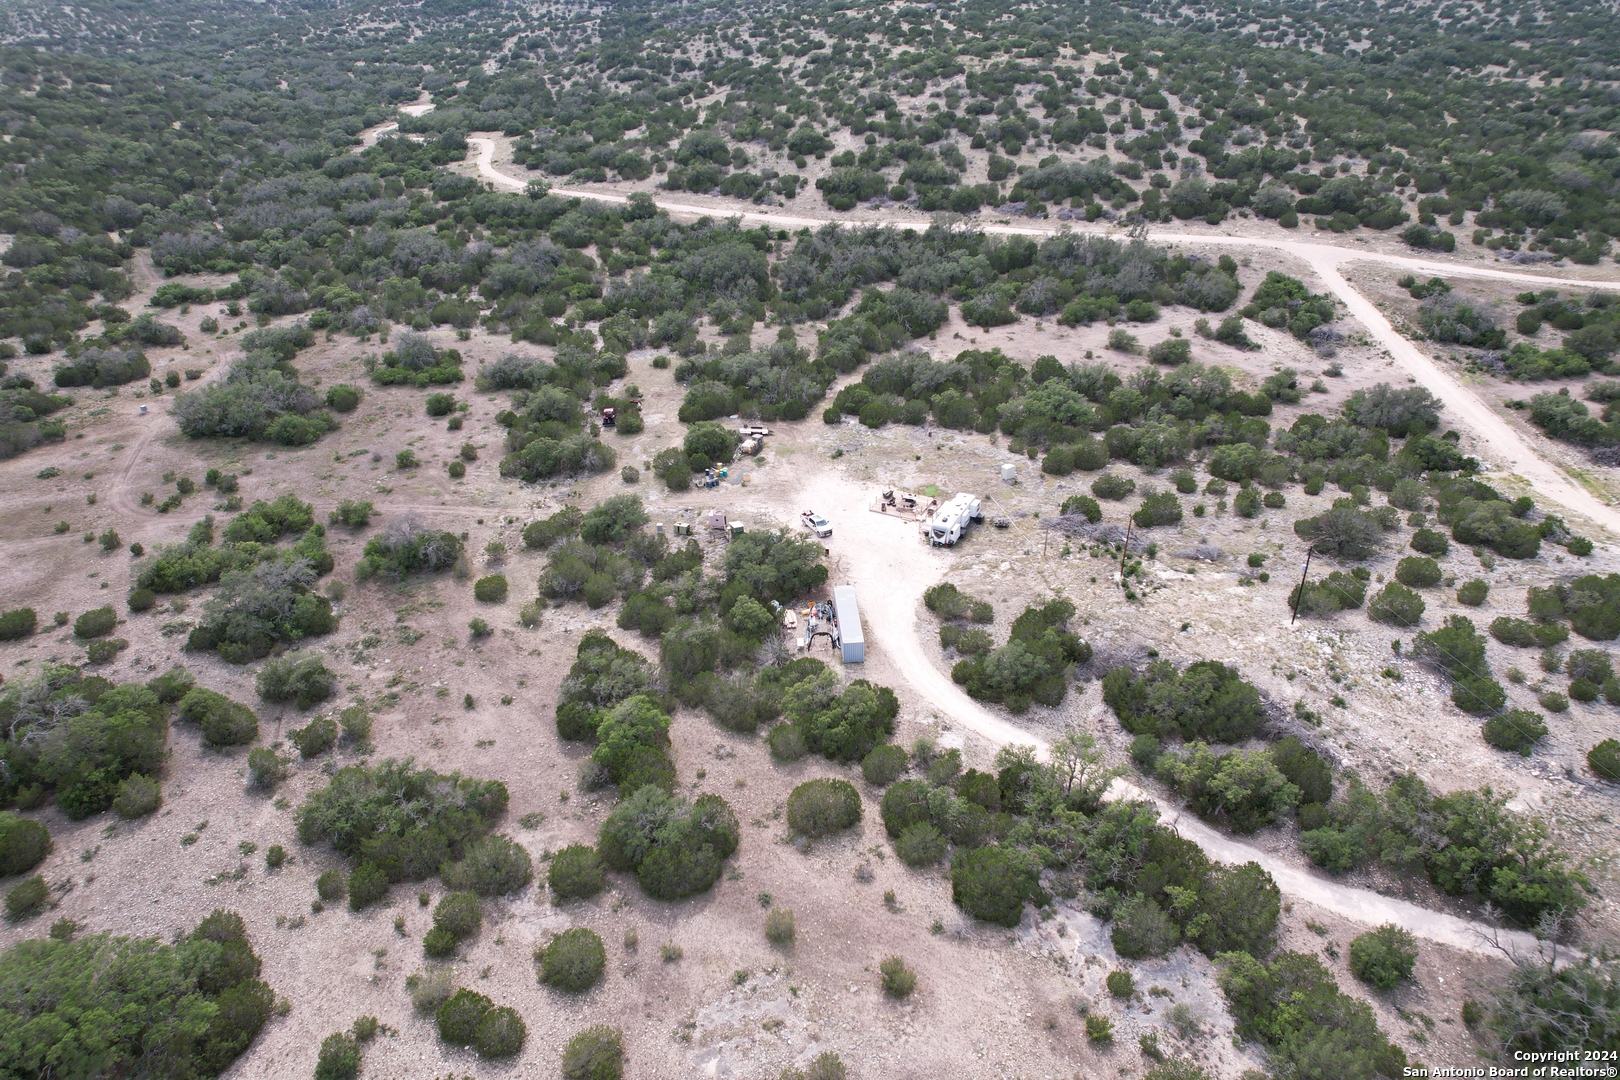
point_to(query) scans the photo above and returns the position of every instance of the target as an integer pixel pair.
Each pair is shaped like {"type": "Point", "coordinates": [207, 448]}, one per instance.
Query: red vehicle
{"type": "Point", "coordinates": [609, 417]}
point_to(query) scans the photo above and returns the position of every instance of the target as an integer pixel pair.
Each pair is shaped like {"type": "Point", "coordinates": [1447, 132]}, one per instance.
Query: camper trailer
{"type": "Point", "coordinates": [953, 519]}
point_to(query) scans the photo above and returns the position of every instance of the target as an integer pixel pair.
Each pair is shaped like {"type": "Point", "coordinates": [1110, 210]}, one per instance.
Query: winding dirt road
{"type": "Point", "coordinates": [892, 566]}
{"type": "Point", "coordinates": [1507, 449]}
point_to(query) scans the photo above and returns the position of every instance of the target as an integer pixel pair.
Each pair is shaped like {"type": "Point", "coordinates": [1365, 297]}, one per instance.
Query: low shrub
{"type": "Point", "coordinates": [1383, 958]}
{"type": "Point", "coordinates": [315, 738]}
{"type": "Point", "coordinates": [573, 961]}
{"type": "Point", "coordinates": [1517, 730]}
{"type": "Point", "coordinates": [332, 885]}
{"type": "Point", "coordinates": [24, 843]}
{"type": "Point", "coordinates": [899, 981]}
{"type": "Point", "coordinates": [224, 722]}
{"type": "Point", "coordinates": [137, 797]}
{"type": "Point", "coordinates": [597, 1053]}
{"type": "Point", "coordinates": [431, 988]}
{"type": "Point", "coordinates": [342, 398]}
{"type": "Point", "coordinates": [300, 678]}
{"type": "Point", "coordinates": [500, 1034]}
{"type": "Point", "coordinates": [26, 899]}
{"type": "Point", "coordinates": [17, 623]}
{"type": "Point", "coordinates": [576, 873]}
{"type": "Point", "coordinates": [884, 765]}
{"type": "Point", "coordinates": [368, 885]}
{"type": "Point", "coordinates": [822, 807]}
{"type": "Point", "coordinates": [1120, 984]}
{"type": "Point", "coordinates": [993, 883]}
{"type": "Point", "coordinates": [492, 866]}
{"type": "Point", "coordinates": [97, 623]}
{"type": "Point", "coordinates": [458, 1018]}
{"type": "Point", "coordinates": [779, 927]}
{"type": "Point", "coordinates": [491, 589]}
{"type": "Point", "coordinates": [458, 914]}
{"type": "Point", "coordinates": [920, 844]}
{"type": "Point", "coordinates": [339, 1058]}
{"type": "Point", "coordinates": [1604, 759]}
{"type": "Point", "coordinates": [1418, 572]}
{"type": "Point", "coordinates": [1472, 593]}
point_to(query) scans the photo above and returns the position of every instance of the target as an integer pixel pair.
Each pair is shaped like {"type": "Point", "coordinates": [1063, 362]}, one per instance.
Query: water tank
{"type": "Point", "coordinates": [1009, 472]}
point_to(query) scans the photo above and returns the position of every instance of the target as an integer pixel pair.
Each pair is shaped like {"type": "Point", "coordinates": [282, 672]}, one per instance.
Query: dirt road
{"type": "Point", "coordinates": [1507, 449]}
{"type": "Point", "coordinates": [891, 566]}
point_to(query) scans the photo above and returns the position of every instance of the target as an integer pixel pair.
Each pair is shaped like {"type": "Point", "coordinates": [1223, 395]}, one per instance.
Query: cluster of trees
{"type": "Point", "coordinates": [408, 547]}
{"type": "Point", "coordinates": [1033, 667]}
{"type": "Point", "coordinates": [1467, 843]}
{"type": "Point", "coordinates": [260, 397]}
{"type": "Point", "coordinates": [24, 415]}
{"type": "Point", "coordinates": [83, 740]}
{"type": "Point", "coordinates": [101, 1005]}
{"type": "Point", "coordinates": [675, 849]}
{"type": "Point", "coordinates": [401, 823]}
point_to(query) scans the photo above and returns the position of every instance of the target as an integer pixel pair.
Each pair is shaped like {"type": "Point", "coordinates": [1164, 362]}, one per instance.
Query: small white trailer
{"type": "Point", "coordinates": [952, 520]}
{"type": "Point", "coordinates": [851, 636]}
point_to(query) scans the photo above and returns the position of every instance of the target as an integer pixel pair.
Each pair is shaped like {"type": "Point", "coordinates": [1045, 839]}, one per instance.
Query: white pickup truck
{"type": "Point", "coordinates": [817, 524]}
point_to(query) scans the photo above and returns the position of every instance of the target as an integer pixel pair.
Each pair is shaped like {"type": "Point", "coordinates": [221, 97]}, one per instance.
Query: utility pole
{"type": "Point", "coordinates": [1126, 553]}
{"type": "Point", "coordinates": [1299, 597]}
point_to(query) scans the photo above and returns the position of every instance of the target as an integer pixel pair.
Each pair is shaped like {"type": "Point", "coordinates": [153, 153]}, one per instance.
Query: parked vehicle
{"type": "Point", "coordinates": [609, 417]}
{"type": "Point", "coordinates": [817, 524]}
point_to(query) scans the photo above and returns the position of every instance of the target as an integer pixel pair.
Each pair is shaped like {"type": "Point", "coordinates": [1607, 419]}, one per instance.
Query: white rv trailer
{"type": "Point", "coordinates": [953, 519]}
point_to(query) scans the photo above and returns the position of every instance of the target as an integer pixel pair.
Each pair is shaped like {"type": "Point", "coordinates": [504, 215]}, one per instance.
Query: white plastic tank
{"type": "Point", "coordinates": [1009, 472]}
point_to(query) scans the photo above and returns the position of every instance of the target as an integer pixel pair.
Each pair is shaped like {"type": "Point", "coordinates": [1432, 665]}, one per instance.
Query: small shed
{"type": "Point", "coordinates": [851, 637]}
{"type": "Point", "coordinates": [717, 520]}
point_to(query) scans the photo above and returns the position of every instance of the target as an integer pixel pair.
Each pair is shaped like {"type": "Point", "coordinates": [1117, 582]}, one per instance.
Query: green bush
{"type": "Point", "coordinates": [439, 943]}
{"type": "Point", "coordinates": [142, 599]}
{"type": "Point", "coordinates": [501, 1033]}
{"type": "Point", "coordinates": [1604, 759]}
{"type": "Point", "coordinates": [1472, 593]}
{"type": "Point", "coordinates": [24, 843]}
{"type": "Point", "coordinates": [26, 899]}
{"type": "Point", "coordinates": [110, 994]}
{"type": "Point", "coordinates": [787, 743]}
{"type": "Point", "coordinates": [1293, 1006]}
{"type": "Point", "coordinates": [1112, 486]}
{"type": "Point", "coordinates": [920, 845]}
{"type": "Point", "coordinates": [898, 980]}
{"type": "Point", "coordinates": [1383, 958]}
{"type": "Point", "coordinates": [1032, 668]}
{"type": "Point", "coordinates": [172, 685]}
{"type": "Point", "coordinates": [97, 623]}
{"type": "Point", "coordinates": [491, 589]}
{"type": "Point", "coordinates": [993, 883]}
{"type": "Point", "coordinates": [459, 1017]}
{"type": "Point", "coordinates": [339, 1058]}
{"type": "Point", "coordinates": [137, 797]}
{"type": "Point", "coordinates": [1206, 701]}
{"type": "Point", "coordinates": [332, 885]}
{"type": "Point", "coordinates": [224, 722]}
{"type": "Point", "coordinates": [358, 813]}
{"type": "Point", "coordinates": [597, 1053]}
{"type": "Point", "coordinates": [368, 885]}
{"type": "Point", "coordinates": [315, 738]}
{"type": "Point", "coordinates": [573, 961]}
{"type": "Point", "coordinates": [1396, 605]}
{"type": "Point", "coordinates": [1304, 768]}
{"type": "Point", "coordinates": [780, 928]}
{"type": "Point", "coordinates": [459, 914]}
{"type": "Point", "coordinates": [1429, 542]}
{"type": "Point", "coordinates": [1084, 505]}
{"type": "Point", "coordinates": [1141, 929]}
{"type": "Point", "coordinates": [300, 678]}
{"type": "Point", "coordinates": [949, 602]}
{"type": "Point", "coordinates": [342, 398]}
{"type": "Point", "coordinates": [264, 768]}
{"type": "Point", "coordinates": [822, 807]}
{"type": "Point", "coordinates": [1517, 730]}
{"type": "Point", "coordinates": [576, 873]}
{"type": "Point", "coordinates": [1120, 984]}
{"type": "Point", "coordinates": [541, 534]}
{"type": "Point", "coordinates": [675, 850]}
{"type": "Point", "coordinates": [441, 404]}
{"type": "Point", "coordinates": [351, 513]}
{"type": "Point", "coordinates": [1418, 572]}
{"type": "Point", "coordinates": [884, 765]}
{"type": "Point", "coordinates": [17, 623]}
{"type": "Point", "coordinates": [492, 866]}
